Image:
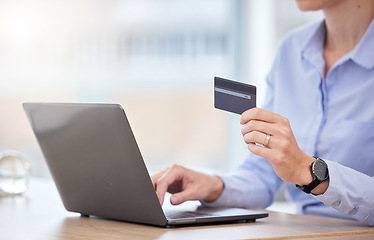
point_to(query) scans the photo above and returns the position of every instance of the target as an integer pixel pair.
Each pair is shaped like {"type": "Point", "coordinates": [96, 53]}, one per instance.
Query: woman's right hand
{"type": "Point", "coordinates": [185, 184]}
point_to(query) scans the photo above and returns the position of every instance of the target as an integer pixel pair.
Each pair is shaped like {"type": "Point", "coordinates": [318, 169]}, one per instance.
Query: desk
{"type": "Point", "coordinates": [39, 214]}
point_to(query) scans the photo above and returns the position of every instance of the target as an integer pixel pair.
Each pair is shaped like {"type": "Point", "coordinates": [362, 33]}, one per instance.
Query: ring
{"type": "Point", "coordinates": [267, 140]}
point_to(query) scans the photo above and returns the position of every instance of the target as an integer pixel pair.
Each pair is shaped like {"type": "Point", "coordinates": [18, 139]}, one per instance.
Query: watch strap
{"type": "Point", "coordinates": [308, 188]}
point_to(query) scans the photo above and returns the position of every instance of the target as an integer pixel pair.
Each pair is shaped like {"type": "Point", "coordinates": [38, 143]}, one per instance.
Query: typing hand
{"type": "Point", "coordinates": [185, 184]}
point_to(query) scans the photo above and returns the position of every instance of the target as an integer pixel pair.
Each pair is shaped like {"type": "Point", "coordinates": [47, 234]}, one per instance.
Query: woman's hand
{"type": "Point", "coordinates": [186, 184]}
{"type": "Point", "coordinates": [274, 131]}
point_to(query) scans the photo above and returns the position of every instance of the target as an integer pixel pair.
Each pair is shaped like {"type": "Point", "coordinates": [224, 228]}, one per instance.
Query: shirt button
{"type": "Point", "coordinates": [336, 203]}
{"type": "Point", "coordinates": [353, 211]}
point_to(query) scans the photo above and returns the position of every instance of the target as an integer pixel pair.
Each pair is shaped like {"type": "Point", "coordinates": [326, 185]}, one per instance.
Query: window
{"type": "Point", "coordinates": [156, 58]}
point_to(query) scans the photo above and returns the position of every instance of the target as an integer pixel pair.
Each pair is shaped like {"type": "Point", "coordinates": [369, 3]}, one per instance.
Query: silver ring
{"type": "Point", "coordinates": [267, 140]}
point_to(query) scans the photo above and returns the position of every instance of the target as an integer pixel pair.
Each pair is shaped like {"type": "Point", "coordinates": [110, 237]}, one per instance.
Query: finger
{"type": "Point", "coordinates": [160, 192]}
{"type": "Point", "coordinates": [260, 126]}
{"type": "Point", "coordinates": [260, 151]}
{"type": "Point", "coordinates": [165, 181]}
{"type": "Point", "coordinates": [155, 177]}
{"type": "Point", "coordinates": [161, 189]}
{"type": "Point", "coordinates": [258, 114]}
{"type": "Point", "coordinates": [183, 196]}
{"type": "Point", "coordinates": [255, 137]}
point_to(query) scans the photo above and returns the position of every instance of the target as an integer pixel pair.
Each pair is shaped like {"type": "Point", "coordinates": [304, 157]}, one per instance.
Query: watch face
{"type": "Point", "coordinates": [320, 170]}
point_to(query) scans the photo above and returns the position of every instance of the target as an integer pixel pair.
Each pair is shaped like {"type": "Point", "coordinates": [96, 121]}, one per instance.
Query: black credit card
{"type": "Point", "coordinates": [232, 96]}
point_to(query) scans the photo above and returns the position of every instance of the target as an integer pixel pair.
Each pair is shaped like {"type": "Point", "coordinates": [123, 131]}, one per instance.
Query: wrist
{"type": "Point", "coordinates": [217, 187]}
{"type": "Point", "coordinates": [306, 175]}
{"type": "Point", "coordinates": [320, 178]}
{"type": "Point", "coordinates": [321, 188]}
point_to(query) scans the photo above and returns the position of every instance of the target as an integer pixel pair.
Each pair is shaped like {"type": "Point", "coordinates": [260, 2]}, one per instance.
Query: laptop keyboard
{"type": "Point", "coordinates": [181, 215]}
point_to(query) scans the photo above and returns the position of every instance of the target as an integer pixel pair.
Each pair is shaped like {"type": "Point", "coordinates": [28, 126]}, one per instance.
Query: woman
{"type": "Point", "coordinates": [318, 104]}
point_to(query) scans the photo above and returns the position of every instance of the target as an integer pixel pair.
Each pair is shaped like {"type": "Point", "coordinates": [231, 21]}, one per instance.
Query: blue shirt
{"type": "Point", "coordinates": [332, 118]}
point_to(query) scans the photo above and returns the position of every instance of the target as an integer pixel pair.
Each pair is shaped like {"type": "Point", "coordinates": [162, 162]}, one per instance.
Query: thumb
{"type": "Point", "coordinates": [181, 197]}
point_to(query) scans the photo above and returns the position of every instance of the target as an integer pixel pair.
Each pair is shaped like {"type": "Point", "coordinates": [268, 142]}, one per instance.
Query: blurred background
{"type": "Point", "coordinates": [156, 58]}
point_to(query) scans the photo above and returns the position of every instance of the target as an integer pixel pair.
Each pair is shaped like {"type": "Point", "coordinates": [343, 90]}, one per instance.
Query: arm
{"type": "Point", "coordinates": [350, 192]}
{"type": "Point", "coordinates": [252, 185]}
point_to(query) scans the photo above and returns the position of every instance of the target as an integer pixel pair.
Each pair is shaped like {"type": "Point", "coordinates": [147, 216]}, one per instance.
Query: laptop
{"type": "Point", "coordinates": [99, 171]}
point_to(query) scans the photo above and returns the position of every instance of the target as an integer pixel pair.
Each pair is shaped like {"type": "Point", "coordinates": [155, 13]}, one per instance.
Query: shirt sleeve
{"type": "Point", "coordinates": [252, 185]}
{"type": "Point", "coordinates": [350, 192]}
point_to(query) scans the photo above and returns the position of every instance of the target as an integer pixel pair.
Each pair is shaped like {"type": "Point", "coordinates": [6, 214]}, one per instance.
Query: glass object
{"type": "Point", "coordinates": [15, 173]}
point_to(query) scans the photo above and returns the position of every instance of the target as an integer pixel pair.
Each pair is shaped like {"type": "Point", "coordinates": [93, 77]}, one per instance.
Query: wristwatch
{"type": "Point", "coordinates": [319, 172]}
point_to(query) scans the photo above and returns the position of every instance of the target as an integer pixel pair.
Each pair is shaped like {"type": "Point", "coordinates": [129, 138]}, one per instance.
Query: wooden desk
{"type": "Point", "coordinates": [39, 214]}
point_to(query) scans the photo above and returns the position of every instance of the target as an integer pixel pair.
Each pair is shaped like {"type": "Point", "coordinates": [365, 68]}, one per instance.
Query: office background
{"type": "Point", "coordinates": [156, 58]}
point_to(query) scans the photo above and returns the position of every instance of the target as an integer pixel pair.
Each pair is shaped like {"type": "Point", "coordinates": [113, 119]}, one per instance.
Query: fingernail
{"type": "Point", "coordinates": [174, 200]}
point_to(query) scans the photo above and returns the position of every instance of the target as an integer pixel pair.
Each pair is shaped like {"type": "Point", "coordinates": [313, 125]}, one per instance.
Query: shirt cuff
{"type": "Point", "coordinates": [348, 191]}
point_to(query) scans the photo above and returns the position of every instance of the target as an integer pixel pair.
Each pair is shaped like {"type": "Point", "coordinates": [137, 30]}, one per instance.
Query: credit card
{"type": "Point", "coordinates": [232, 96]}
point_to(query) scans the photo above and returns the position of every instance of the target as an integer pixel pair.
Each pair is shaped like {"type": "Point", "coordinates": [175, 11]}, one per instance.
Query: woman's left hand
{"type": "Point", "coordinates": [277, 144]}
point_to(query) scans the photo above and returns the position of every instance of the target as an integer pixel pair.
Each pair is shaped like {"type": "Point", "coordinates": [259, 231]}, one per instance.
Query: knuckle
{"type": "Point", "coordinates": [247, 138]}
{"type": "Point", "coordinates": [160, 182]}
{"type": "Point", "coordinates": [175, 167]}
{"type": "Point", "coordinates": [243, 117]}
{"type": "Point", "coordinates": [255, 113]}
{"type": "Point", "coordinates": [285, 121]}
{"type": "Point", "coordinates": [257, 150]}
{"type": "Point", "coordinates": [252, 137]}
{"type": "Point", "coordinates": [284, 145]}
{"type": "Point", "coordinates": [284, 131]}
{"type": "Point", "coordinates": [251, 125]}
{"type": "Point", "coordinates": [259, 135]}
{"type": "Point", "coordinates": [259, 113]}
{"type": "Point", "coordinates": [244, 130]}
